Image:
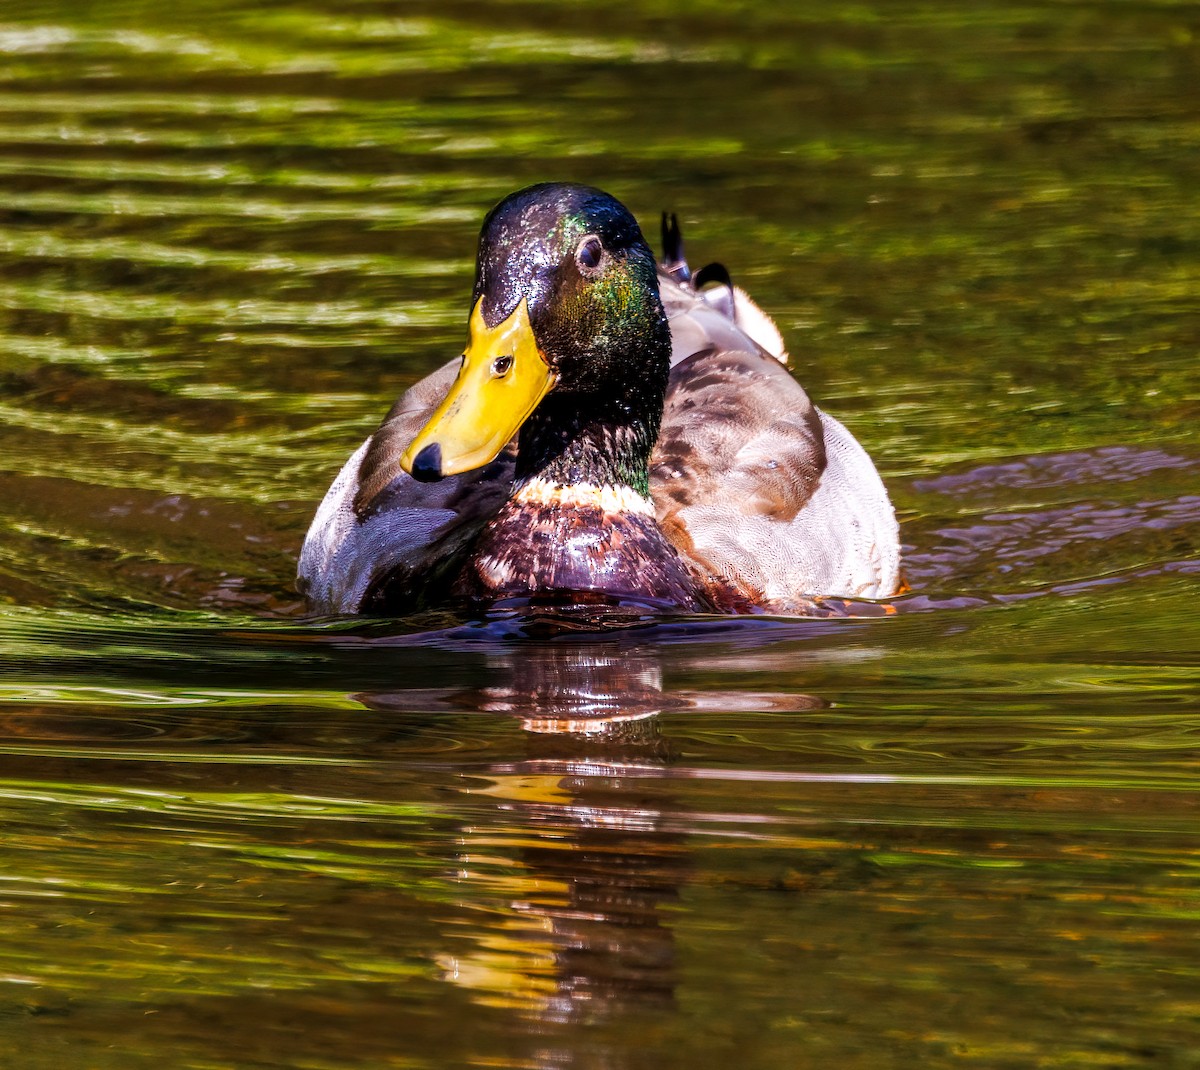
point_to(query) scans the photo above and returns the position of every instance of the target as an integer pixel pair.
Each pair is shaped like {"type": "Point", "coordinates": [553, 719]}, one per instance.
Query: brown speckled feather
{"type": "Point", "coordinates": [737, 429]}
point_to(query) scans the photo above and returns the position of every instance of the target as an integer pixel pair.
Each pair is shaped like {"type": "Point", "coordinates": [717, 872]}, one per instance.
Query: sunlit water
{"type": "Point", "coordinates": [963, 835]}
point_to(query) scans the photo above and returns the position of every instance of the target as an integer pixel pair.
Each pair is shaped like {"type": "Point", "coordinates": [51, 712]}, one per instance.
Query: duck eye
{"type": "Point", "coordinates": [501, 365]}
{"type": "Point", "coordinates": [589, 253]}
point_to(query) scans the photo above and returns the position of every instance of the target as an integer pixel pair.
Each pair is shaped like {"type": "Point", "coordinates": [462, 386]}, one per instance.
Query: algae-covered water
{"type": "Point", "coordinates": [962, 836]}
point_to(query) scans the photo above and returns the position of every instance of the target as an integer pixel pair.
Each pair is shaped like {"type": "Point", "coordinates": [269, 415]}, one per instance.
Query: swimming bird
{"type": "Point", "coordinates": [615, 429]}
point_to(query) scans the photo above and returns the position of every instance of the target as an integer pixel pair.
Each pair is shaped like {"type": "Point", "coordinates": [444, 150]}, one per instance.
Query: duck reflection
{"type": "Point", "coordinates": [586, 848]}
{"type": "Point", "coordinates": [589, 691]}
{"type": "Point", "coordinates": [584, 938]}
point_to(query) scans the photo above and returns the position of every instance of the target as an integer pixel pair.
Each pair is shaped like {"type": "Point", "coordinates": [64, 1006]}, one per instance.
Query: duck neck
{"type": "Point", "coordinates": [601, 438]}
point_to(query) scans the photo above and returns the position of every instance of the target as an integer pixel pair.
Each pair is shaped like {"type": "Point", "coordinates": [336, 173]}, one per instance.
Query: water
{"type": "Point", "coordinates": [962, 835]}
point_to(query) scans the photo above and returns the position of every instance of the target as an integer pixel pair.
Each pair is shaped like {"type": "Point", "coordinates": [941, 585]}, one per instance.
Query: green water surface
{"type": "Point", "coordinates": [966, 835]}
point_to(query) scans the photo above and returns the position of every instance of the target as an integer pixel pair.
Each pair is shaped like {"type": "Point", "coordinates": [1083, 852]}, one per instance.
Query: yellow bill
{"type": "Point", "coordinates": [502, 379]}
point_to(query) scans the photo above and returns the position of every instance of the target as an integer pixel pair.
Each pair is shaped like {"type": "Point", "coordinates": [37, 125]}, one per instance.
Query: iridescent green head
{"type": "Point", "coordinates": [566, 322]}
{"type": "Point", "coordinates": [579, 258]}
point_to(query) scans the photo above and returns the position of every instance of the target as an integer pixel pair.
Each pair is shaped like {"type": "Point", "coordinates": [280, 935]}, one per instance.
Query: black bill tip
{"type": "Point", "coordinates": [427, 465]}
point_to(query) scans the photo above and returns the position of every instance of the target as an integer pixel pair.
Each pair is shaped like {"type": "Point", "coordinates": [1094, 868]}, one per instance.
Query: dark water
{"type": "Point", "coordinates": [959, 837]}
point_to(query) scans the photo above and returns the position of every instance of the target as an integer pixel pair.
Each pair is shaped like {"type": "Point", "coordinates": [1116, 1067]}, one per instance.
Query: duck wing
{"type": "Point", "coordinates": [382, 541]}
{"type": "Point", "coordinates": [751, 482]}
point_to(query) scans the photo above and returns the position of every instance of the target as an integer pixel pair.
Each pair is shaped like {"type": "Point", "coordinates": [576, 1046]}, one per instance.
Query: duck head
{"type": "Point", "coordinates": [566, 322]}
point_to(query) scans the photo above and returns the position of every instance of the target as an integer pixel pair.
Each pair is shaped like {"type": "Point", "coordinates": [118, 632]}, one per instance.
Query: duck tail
{"type": "Point", "coordinates": [724, 296]}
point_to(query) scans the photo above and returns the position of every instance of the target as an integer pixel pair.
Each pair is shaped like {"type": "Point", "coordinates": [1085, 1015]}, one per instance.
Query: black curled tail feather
{"type": "Point", "coordinates": [714, 272]}
{"type": "Point", "coordinates": [674, 263]}
{"type": "Point", "coordinates": [723, 298]}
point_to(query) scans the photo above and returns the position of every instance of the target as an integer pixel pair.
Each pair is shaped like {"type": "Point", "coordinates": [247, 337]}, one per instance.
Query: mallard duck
{"type": "Point", "coordinates": [614, 430]}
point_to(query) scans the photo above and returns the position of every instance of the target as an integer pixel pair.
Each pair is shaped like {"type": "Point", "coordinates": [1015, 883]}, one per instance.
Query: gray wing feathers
{"type": "Point", "coordinates": [376, 520]}
{"type": "Point", "coordinates": [341, 556]}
